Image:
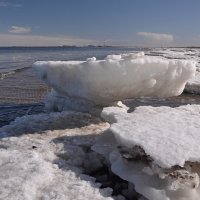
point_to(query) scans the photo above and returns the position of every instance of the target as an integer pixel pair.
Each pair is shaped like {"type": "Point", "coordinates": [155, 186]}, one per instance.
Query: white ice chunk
{"type": "Point", "coordinates": [56, 101]}
{"type": "Point", "coordinates": [117, 77]}
{"type": "Point", "coordinates": [193, 85]}
{"type": "Point", "coordinates": [151, 186]}
{"type": "Point", "coordinates": [170, 136]}
{"type": "Point", "coordinates": [156, 149]}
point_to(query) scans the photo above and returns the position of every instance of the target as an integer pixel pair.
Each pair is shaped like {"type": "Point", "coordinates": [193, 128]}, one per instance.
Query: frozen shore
{"type": "Point", "coordinates": [149, 148]}
{"type": "Point", "coordinates": [58, 147]}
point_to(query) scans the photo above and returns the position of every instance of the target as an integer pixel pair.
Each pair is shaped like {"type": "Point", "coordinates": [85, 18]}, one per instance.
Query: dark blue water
{"type": "Point", "coordinates": [15, 58]}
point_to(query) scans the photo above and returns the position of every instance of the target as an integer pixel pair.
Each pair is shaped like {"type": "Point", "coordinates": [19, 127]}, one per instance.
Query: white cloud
{"type": "Point", "coordinates": [38, 40]}
{"type": "Point", "coordinates": [7, 4]}
{"type": "Point", "coordinates": [19, 29]}
{"type": "Point", "coordinates": [157, 36]}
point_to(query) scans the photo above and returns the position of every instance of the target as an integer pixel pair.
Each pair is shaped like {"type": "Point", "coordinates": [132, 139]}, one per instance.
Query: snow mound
{"type": "Point", "coordinates": [50, 162]}
{"type": "Point", "coordinates": [117, 77]}
{"type": "Point", "coordinates": [156, 149]}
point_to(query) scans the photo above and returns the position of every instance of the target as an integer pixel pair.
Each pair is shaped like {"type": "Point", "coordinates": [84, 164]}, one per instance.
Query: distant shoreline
{"type": "Point", "coordinates": [92, 46]}
{"type": "Point", "coordinates": [71, 48]}
{"type": "Point", "coordinates": [66, 46]}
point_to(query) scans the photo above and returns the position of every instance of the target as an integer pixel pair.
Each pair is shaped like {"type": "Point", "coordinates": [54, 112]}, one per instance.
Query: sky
{"type": "Point", "coordinates": [100, 22]}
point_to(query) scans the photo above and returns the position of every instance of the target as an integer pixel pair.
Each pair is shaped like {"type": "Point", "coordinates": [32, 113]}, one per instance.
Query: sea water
{"type": "Point", "coordinates": [16, 58]}
{"type": "Point", "coordinates": [18, 83]}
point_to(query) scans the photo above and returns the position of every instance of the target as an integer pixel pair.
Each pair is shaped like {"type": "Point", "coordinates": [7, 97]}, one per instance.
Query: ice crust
{"type": "Point", "coordinates": [43, 157]}
{"type": "Point", "coordinates": [156, 149]}
{"type": "Point", "coordinates": [117, 77]}
{"type": "Point", "coordinates": [170, 136]}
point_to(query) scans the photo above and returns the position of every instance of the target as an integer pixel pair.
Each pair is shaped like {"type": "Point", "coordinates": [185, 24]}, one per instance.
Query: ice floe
{"type": "Point", "coordinates": [156, 149]}
{"type": "Point", "coordinates": [117, 77]}
{"type": "Point", "coordinates": [141, 128]}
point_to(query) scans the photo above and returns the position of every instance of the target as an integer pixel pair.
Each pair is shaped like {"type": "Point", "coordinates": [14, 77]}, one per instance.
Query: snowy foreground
{"type": "Point", "coordinates": [52, 156]}
{"type": "Point", "coordinates": [44, 157]}
{"type": "Point", "coordinates": [82, 84]}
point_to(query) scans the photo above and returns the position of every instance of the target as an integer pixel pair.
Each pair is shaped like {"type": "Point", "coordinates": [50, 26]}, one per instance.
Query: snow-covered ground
{"type": "Point", "coordinates": [47, 156]}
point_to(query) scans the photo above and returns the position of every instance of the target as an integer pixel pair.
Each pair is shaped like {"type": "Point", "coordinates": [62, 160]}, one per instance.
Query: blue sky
{"type": "Point", "coordinates": [114, 22]}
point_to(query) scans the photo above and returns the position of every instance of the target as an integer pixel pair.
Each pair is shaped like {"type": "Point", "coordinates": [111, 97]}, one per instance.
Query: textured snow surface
{"type": "Point", "coordinates": [44, 157]}
{"type": "Point", "coordinates": [170, 136]}
{"type": "Point", "coordinates": [117, 77]}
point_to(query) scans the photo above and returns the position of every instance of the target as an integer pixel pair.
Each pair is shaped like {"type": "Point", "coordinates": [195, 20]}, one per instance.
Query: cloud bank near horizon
{"type": "Point", "coordinates": [21, 36]}
{"type": "Point", "coordinates": [156, 38]}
